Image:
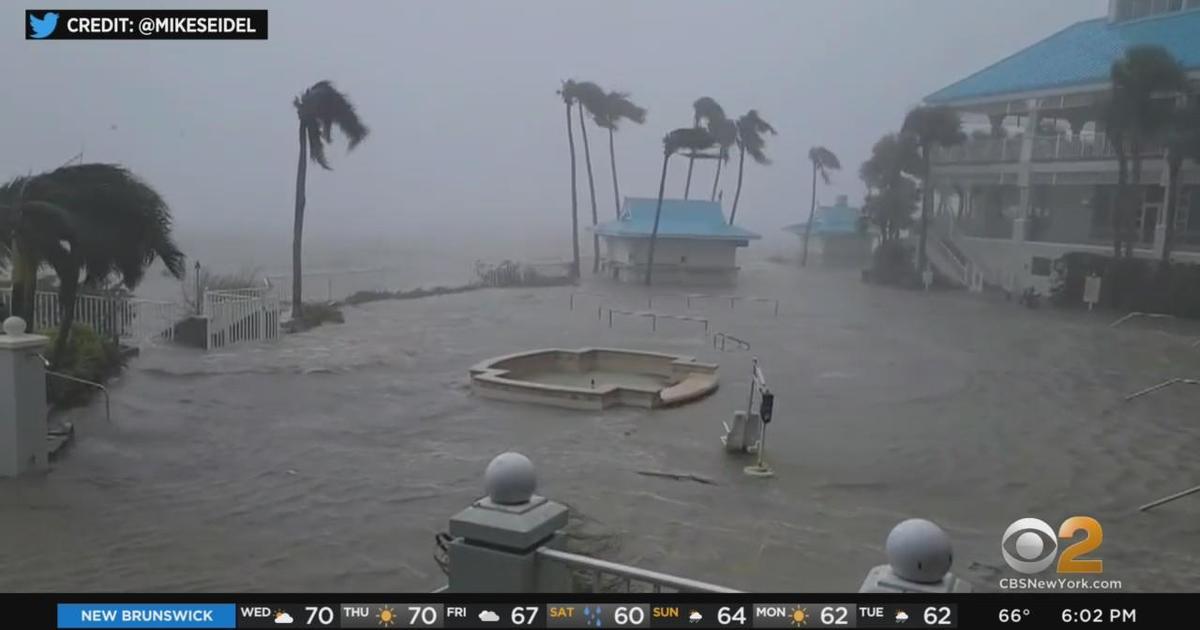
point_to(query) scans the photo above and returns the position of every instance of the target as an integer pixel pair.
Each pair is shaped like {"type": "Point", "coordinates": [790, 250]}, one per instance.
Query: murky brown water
{"type": "Point", "coordinates": [329, 460]}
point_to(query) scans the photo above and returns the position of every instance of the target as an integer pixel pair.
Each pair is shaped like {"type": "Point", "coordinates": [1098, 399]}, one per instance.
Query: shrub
{"type": "Point", "coordinates": [1129, 284]}
{"type": "Point", "coordinates": [88, 356]}
{"type": "Point", "coordinates": [892, 263]}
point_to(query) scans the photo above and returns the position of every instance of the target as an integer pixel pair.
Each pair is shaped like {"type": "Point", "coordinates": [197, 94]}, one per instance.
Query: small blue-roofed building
{"type": "Point", "coordinates": [838, 235]}
{"type": "Point", "coordinates": [1037, 176]}
{"type": "Point", "coordinates": [696, 244]}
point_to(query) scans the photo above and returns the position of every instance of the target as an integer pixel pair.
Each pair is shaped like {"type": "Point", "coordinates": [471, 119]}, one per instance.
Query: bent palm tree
{"type": "Point", "coordinates": [618, 106]}
{"type": "Point", "coordinates": [593, 99]}
{"type": "Point", "coordinates": [1135, 114]}
{"type": "Point", "coordinates": [569, 97]}
{"type": "Point", "coordinates": [31, 232]}
{"type": "Point", "coordinates": [930, 127]}
{"type": "Point", "coordinates": [823, 160]}
{"type": "Point", "coordinates": [750, 128]}
{"type": "Point", "coordinates": [694, 140]}
{"type": "Point", "coordinates": [706, 110]}
{"type": "Point", "coordinates": [114, 225]}
{"type": "Point", "coordinates": [319, 109]}
{"type": "Point", "coordinates": [724, 131]}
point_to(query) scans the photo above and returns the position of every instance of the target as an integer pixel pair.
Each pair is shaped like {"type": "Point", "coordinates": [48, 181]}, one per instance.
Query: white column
{"type": "Point", "coordinates": [1160, 226]}
{"type": "Point", "coordinates": [22, 400]}
{"type": "Point", "coordinates": [1024, 173]}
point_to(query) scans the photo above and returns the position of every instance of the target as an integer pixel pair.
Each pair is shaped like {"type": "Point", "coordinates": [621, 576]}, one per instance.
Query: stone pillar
{"type": "Point", "coordinates": [919, 561]}
{"type": "Point", "coordinates": [495, 540]}
{"type": "Point", "coordinates": [22, 400]}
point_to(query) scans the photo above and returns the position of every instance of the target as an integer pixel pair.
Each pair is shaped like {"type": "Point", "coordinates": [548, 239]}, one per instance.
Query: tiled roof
{"type": "Point", "coordinates": [680, 219]}
{"type": "Point", "coordinates": [1080, 54]}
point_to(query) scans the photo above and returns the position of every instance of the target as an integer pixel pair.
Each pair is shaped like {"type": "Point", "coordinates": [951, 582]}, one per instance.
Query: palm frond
{"type": "Point", "coordinates": [321, 108]}
{"type": "Point", "coordinates": [707, 110]}
{"type": "Point", "coordinates": [617, 106]}
{"type": "Point", "coordinates": [750, 128]}
{"type": "Point", "coordinates": [694, 139]}
{"type": "Point", "coordinates": [823, 161]}
{"type": "Point", "coordinates": [934, 126]}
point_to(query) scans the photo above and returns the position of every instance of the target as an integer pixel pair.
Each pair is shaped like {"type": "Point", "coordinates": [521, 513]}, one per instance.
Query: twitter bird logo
{"type": "Point", "coordinates": [44, 27]}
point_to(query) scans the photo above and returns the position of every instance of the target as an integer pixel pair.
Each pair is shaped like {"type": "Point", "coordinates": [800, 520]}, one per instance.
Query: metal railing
{"type": "Point", "coordinates": [654, 317]}
{"type": "Point", "coordinates": [117, 317]}
{"type": "Point", "coordinates": [980, 150]}
{"type": "Point", "coordinates": [719, 341]}
{"type": "Point", "coordinates": [733, 299]}
{"type": "Point", "coordinates": [237, 315]}
{"type": "Point", "coordinates": [595, 570]}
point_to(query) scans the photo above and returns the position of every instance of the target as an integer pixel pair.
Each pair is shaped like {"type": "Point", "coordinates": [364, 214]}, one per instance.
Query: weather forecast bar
{"type": "Point", "coordinates": [605, 610]}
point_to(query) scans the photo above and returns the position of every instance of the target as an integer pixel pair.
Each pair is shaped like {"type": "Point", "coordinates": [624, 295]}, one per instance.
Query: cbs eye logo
{"type": "Point", "coordinates": [1029, 545]}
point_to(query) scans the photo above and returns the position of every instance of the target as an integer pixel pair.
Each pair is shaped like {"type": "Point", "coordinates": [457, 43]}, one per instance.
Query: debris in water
{"type": "Point", "coordinates": [678, 476]}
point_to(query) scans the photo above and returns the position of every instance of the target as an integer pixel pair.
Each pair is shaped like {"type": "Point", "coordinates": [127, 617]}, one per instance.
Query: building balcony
{"type": "Point", "coordinates": [980, 151]}
{"type": "Point", "coordinates": [1056, 148]}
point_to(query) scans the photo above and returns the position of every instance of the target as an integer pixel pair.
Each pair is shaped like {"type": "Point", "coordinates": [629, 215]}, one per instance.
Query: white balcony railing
{"type": "Point", "coordinates": [980, 151]}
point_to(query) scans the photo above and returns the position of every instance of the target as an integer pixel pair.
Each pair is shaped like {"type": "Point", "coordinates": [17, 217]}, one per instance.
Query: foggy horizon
{"type": "Point", "coordinates": [466, 128]}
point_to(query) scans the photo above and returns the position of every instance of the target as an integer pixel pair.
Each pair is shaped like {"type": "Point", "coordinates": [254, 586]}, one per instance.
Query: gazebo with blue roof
{"type": "Point", "coordinates": [838, 235]}
{"type": "Point", "coordinates": [696, 245]}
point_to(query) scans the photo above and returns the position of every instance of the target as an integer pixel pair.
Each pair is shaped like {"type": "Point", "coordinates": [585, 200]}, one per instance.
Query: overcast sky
{"type": "Point", "coordinates": [467, 132]}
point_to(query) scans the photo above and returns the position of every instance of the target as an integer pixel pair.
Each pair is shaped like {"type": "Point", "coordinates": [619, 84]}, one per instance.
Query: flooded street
{"type": "Point", "coordinates": [328, 461]}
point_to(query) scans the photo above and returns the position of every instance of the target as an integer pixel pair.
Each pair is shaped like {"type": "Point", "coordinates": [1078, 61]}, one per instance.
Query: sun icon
{"type": "Point", "coordinates": [386, 616]}
{"type": "Point", "coordinates": [799, 616]}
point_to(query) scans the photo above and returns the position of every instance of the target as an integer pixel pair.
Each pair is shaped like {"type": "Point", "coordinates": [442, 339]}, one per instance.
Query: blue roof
{"type": "Point", "coordinates": [1079, 54]}
{"type": "Point", "coordinates": [836, 220]}
{"type": "Point", "coordinates": [680, 219]}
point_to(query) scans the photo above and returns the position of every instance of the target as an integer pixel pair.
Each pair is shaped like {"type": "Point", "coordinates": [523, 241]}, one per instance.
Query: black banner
{"type": "Point", "coordinates": [980, 611]}
{"type": "Point", "coordinates": [130, 24]}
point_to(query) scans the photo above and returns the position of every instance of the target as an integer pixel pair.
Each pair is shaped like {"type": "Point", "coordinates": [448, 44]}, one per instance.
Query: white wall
{"type": "Point", "coordinates": [671, 251]}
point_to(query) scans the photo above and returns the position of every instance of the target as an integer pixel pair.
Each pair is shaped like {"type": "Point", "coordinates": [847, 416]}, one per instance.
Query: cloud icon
{"type": "Point", "coordinates": [901, 616]}
{"type": "Point", "coordinates": [489, 616]}
{"type": "Point", "coordinates": [695, 616]}
{"type": "Point", "coordinates": [283, 617]}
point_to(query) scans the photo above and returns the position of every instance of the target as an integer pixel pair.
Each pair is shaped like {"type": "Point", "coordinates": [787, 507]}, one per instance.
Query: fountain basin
{"type": "Point", "coordinates": [594, 378]}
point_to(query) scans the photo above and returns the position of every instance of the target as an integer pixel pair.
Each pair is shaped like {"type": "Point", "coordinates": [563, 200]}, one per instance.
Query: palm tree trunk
{"type": "Point", "coordinates": [1174, 165]}
{"type": "Point", "coordinates": [687, 187]}
{"type": "Point", "coordinates": [812, 212]}
{"type": "Point", "coordinates": [717, 179]}
{"type": "Point", "coordinates": [737, 195]}
{"type": "Point", "coordinates": [612, 157]}
{"type": "Point", "coordinates": [587, 156]}
{"type": "Point", "coordinates": [926, 201]}
{"type": "Point", "coordinates": [662, 183]}
{"type": "Point", "coordinates": [1121, 197]}
{"type": "Point", "coordinates": [298, 225]}
{"type": "Point", "coordinates": [574, 197]}
{"type": "Point", "coordinates": [68, 292]}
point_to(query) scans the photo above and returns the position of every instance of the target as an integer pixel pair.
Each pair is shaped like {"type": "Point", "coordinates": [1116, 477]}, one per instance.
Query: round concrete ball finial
{"type": "Point", "coordinates": [919, 550]}
{"type": "Point", "coordinates": [510, 479]}
{"type": "Point", "coordinates": [14, 326]}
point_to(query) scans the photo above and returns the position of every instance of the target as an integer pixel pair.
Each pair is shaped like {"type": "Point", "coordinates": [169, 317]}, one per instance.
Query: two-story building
{"type": "Point", "coordinates": [1037, 176]}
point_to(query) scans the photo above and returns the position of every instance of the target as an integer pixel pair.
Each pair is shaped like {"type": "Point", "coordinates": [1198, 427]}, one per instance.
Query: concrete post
{"type": "Point", "coordinates": [919, 560]}
{"type": "Point", "coordinates": [1160, 226]}
{"type": "Point", "coordinates": [495, 540]}
{"type": "Point", "coordinates": [22, 400]}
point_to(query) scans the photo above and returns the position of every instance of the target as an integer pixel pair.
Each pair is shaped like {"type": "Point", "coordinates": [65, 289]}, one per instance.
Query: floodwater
{"type": "Point", "coordinates": [329, 460]}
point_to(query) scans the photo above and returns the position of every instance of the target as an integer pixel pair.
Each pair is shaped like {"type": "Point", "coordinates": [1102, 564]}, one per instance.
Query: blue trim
{"type": "Point", "coordinates": [680, 218]}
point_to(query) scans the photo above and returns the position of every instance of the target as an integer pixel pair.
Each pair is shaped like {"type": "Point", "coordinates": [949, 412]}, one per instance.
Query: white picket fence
{"type": "Point", "coordinates": [238, 315]}
{"type": "Point", "coordinates": [130, 320]}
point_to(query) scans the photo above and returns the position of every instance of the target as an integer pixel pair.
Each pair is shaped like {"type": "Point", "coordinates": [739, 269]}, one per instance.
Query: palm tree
{"type": "Point", "coordinates": [591, 97]}
{"type": "Point", "coordinates": [930, 127]}
{"type": "Point", "coordinates": [891, 195]}
{"type": "Point", "coordinates": [31, 231]}
{"type": "Point", "coordinates": [724, 131]}
{"type": "Point", "coordinates": [750, 128]}
{"type": "Point", "coordinates": [823, 160]}
{"type": "Point", "coordinates": [708, 111]}
{"type": "Point", "coordinates": [318, 109]}
{"type": "Point", "coordinates": [113, 225]}
{"type": "Point", "coordinates": [1135, 114]}
{"type": "Point", "coordinates": [569, 97]}
{"type": "Point", "coordinates": [1182, 142]}
{"type": "Point", "coordinates": [695, 140]}
{"type": "Point", "coordinates": [618, 106]}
